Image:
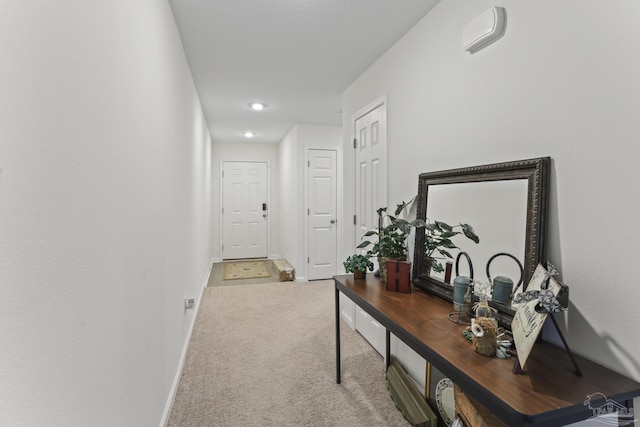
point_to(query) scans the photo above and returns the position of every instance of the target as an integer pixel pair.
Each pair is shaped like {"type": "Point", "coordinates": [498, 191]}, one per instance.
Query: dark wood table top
{"type": "Point", "coordinates": [550, 392]}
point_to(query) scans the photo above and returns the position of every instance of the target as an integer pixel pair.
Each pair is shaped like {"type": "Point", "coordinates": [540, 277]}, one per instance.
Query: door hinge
{"type": "Point", "coordinates": [355, 222]}
{"type": "Point", "coordinates": [308, 163]}
{"type": "Point", "coordinates": [355, 144]}
{"type": "Point", "coordinates": [308, 212]}
{"type": "Point", "coordinates": [223, 174]}
{"type": "Point", "coordinates": [308, 260]}
{"type": "Point", "coordinates": [222, 210]}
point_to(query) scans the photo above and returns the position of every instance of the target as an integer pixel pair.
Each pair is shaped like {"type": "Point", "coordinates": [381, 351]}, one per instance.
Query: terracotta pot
{"type": "Point", "coordinates": [358, 274]}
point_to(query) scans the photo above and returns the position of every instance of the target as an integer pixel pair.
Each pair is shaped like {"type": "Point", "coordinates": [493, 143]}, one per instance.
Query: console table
{"type": "Point", "coordinates": [550, 393]}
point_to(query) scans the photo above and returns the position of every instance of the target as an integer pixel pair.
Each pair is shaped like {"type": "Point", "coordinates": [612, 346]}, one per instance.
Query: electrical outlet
{"type": "Point", "coordinates": [189, 303]}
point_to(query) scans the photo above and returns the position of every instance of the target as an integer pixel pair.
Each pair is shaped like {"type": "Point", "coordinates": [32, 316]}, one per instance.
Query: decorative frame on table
{"type": "Point", "coordinates": [535, 175]}
{"type": "Point", "coordinates": [440, 396]}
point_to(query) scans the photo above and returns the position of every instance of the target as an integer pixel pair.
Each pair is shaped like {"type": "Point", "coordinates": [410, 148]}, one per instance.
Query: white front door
{"type": "Point", "coordinates": [370, 144]}
{"type": "Point", "coordinates": [245, 219]}
{"type": "Point", "coordinates": [322, 214]}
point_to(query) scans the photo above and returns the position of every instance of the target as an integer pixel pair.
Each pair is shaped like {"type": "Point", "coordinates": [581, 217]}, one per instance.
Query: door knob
{"type": "Point", "coordinates": [333, 221]}
{"type": "Point", "coordinates": [264, 215]}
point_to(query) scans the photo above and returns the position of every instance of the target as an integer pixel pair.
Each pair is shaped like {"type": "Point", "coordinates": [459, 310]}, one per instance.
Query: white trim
{"type": "Point", "coordinates": [305, 216]}
{"type": "Point", "coordinates": [221, 205]}
{"type": "Point", "coordinates": [380, 102]}
{"type": "Point", "coordinates": [339, 202]}
{"type": "Point", "coordinates": [208, 275]}
{"type": "Point", "coordinates": [340, 209]}
{"type": "Point", "coordinates": [176, 379]}
{"type": "Point", "coordinates": [269, 207]}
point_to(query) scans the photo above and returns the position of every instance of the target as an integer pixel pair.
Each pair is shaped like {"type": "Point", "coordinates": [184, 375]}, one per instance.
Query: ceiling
{"type": "Point", "coordinates": [295, 56]}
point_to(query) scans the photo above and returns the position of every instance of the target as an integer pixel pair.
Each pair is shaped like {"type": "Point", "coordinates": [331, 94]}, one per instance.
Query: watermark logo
{"type": "Point", "coordinates": [607, 411]}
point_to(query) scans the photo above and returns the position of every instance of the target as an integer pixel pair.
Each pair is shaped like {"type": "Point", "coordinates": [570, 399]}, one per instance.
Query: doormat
{"type": "Point", "coordinates": [246, 270]}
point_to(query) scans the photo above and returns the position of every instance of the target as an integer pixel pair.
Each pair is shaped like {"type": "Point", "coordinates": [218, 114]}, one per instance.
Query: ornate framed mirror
{"type": "Point", "coordinates": [505, 203]}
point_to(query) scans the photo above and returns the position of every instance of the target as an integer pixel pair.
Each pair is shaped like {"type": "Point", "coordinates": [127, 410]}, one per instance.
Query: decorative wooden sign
{"type": "Point", "coordinates": [398, 276]}
{"type": "Point", "coordinates": [527, 322]}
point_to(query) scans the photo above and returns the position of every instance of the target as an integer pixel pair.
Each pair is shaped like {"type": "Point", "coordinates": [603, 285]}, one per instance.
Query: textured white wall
{"type": "Point", "coordinates": [105, 211]}
{"type": "Point", "coordinates": [319, 136]}
{"type": "Point", "coordinates": [562, 82]}
{"type": "Point", "coordinates": [290, 207]}
{"type": "Point", "coordinates": [247, 152]}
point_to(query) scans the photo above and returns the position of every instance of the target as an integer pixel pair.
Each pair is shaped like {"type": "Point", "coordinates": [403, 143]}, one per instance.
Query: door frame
{"type": "Point", "coordinates": [339, 205]}
{"type": "Point", "coordinates": [269, 207]}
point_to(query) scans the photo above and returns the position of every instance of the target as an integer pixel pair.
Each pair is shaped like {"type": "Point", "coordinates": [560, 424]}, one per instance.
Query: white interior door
{"type": "Point", "coordinates": [322, 214]}
{"type": "Point", "coordinates": [370, 144]}
{"type": "Point", "coordinates": [245, 217]}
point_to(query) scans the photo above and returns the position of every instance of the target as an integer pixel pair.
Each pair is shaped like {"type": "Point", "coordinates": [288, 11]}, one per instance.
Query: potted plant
{"type": "Point", "coordinates": [393, 232]}
{"type": "Point", "coordinates": [358, 265]}
{"type": "Point", "coordinates": [437, 242]}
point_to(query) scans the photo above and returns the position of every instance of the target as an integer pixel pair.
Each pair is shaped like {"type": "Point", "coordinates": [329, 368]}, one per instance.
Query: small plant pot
{"type": "Point", "coordinates": [428, 264]}
{"type": "Point", "coordinates": [359, 274]}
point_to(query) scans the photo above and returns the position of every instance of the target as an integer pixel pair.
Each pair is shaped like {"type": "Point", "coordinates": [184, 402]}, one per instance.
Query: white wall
{"type": "Point", "coordinates": [319, 136]}
{"type": "Point", "coordinates": [291, 199]}
{"type": "Point", "coordinates": [562, 82]}
{"type": "Point", "coordinates": [105, 211]}
{"type": "Point", "coordinates": [248, 152]}
{"type": "Point", "coordinates": [292, 153]}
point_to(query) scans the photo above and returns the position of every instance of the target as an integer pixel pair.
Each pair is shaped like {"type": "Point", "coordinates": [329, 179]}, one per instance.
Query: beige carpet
{"type": "Point", "coordinates": [264, 355]}
{"type": "Point", "coordinates": [246, 270]}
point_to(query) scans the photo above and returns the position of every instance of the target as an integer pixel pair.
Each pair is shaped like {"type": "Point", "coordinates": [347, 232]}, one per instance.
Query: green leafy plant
{"type": "Point", "coordinates": [393, 234]}
{"type": "Point", "coordinates": [437, 240]}
{"type": "Point", "coordinates": [358, 262]}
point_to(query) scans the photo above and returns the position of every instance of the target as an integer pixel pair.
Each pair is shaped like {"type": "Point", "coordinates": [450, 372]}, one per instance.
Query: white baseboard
{"type": "Point", "coordinates": [215, 260]}
{"type": "Point", "coordinates": [183, 356]}
{"type": "Point", "coordinates": [208, 275]}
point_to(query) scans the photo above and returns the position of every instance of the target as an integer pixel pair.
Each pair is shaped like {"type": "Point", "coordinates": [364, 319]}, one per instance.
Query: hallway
{"type": "Point", "coordinates": [264, 355]}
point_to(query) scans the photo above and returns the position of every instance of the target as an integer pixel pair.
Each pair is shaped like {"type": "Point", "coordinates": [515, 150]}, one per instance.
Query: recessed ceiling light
{"type": "Point", "coordinates": [257, 106]}
{"type": "Point", "coordinates": [249, 134]}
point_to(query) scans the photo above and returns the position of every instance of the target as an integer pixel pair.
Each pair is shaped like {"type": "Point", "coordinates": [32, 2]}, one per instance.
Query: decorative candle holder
{"type": "Point", "coordinates": [503, 286]}
{"type": "Point", "coordinates": [462, 294]}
